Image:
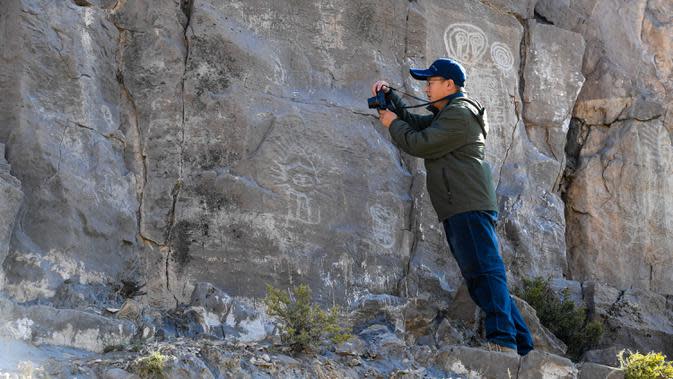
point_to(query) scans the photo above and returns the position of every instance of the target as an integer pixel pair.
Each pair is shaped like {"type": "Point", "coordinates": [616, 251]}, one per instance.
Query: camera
{"type": "Point", "coordinates": [378, 101]}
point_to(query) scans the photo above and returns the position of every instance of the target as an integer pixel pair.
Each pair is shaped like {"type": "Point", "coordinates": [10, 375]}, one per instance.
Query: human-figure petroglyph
{"type": "Point", "coordinates": [465, 42]}
{"type": "Point", "coordinates": [303, 177]}
{"type": "Point", "coordinates": [298, 178]}
{"type": "Point", "coordinates": [382, 221]}
{"type": "Point", "coordinates": [293, 169]}
{"type": "Point", "coordinates": [502, 56]}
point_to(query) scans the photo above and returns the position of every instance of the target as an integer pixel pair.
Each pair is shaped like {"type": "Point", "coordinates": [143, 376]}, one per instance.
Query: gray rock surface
{"type": "Point", "coordinates": [534, 222]}
{"type": "Point", "coordinates": [44, 325]}
{"type": "Point", "coordinates": [634, 319]}
{"type": "Point", "coordinates": [538, 364]}
{"type": "Point", "coordinates": [10, 200]}
{"type": "Point", "coordinates": [592, 370]}
{"type": "Point", "coordinates": [165, 160]}
{"type": "Point", "coordinates": [622, 173]}
{"type": "Point", "coordinates": [477, 363]}
{"type": "Point", "coordinates": [543, 339]}
{"type": "Point", "coordinates": [61, 130]}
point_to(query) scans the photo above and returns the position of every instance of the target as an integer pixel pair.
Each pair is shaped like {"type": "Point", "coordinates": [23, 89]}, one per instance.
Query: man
{"type": "Point", "coordinates": [451, 142]}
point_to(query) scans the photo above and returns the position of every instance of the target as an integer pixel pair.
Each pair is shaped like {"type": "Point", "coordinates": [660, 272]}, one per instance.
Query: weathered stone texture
{"type": "Point", "coordinates": [538, 364]}
{"type": "Point", "coordinates": [620, 206]}
{"type": "Point", "coordinates": [619, 203]}
{"type": "Point", "coordinates": [277, 163]}
{"type": "Point", "coordinates": [186, 153]}
{"type": "Point", "coordinates": [45, 325]}
{"type": "Point", "coordinates": [10, 200]}
{"type": "Point", "coordinates": [634, 319]}
{"type": "Point", "coordinates": [61, 137]}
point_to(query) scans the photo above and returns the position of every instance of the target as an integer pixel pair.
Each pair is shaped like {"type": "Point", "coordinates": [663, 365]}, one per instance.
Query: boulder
{"type": "Point", "coordinates": [588, 370]}
{"type": "Point", "coordinates": [45, 325]}
{"type": "Point", "coordinates": [378, 309]}
{"type": "Point", "coordinates": [537, 364]}
{"type": "Point", "coordinates": [543, 339]}
{"type": "Point", "coordinates": [477, 363]}
{"type": "Point", "coordinates": [634, 319]}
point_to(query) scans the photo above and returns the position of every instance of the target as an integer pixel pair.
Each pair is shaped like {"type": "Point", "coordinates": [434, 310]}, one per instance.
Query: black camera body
{"type": "Point", "coordinates": [378, 101]}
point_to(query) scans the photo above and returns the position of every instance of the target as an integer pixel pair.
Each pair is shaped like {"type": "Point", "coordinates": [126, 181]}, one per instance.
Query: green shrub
{"type": "Point", "coordinates": [650, 366]}
{"type": "Point", "coordinates": [560, 315]}
{"type": "Point", "coordinates": [303, 325]}
{"type": "Point", "coordinates": [151, 366]}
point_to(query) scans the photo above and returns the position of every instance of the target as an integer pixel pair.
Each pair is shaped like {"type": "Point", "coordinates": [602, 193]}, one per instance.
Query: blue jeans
{"type": "Point", "coordinates": [474, 245]}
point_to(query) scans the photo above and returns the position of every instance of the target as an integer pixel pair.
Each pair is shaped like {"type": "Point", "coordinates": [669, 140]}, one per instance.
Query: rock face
{"type": "Point", "coordinates": [10, 200]}
{"type": "Point", "coordinates": [619, 213]}
{"type": "Point", "coordinates": [533, 211]}
{"type": "Point", "coordinates": [61, 130]}
{"type": "Point", "coordinates": [633, 317]}
{"type": "Point", "coordinates": [174, 157]}
{"type": "Point", "coordinates": [44, 325]}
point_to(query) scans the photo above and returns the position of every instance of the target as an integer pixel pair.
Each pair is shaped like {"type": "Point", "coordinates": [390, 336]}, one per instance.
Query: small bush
{"type": "Point", "coordinates": [303, 325]}
{"type": "Point", "coordinates": [650, 366]}
{"type": "Point", "coordinates": [151, 366]}
{"type": "Point", "coordinates": [560, 315]}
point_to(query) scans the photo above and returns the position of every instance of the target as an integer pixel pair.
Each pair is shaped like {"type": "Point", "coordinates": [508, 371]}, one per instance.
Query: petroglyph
{"type": "Point", "coordinates": [502, 56]}
{"type": "Point", "coordinates": [486, 86]}
{"type": "Point", "coordinates": [648, 136]}
{"type": "Point", "coordinates": [383, 220]}
{"type": "Point", "coordinates": [330, 25]}
{"type": "Point", "coordinates": [298, 178]}
{"type": "Point", "coordinates": [293, 170]}
{"type": "Point", "coordinates": [465, 43]}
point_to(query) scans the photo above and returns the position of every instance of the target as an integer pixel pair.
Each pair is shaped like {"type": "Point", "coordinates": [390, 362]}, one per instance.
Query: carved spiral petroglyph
{"type": "Point", "coordinates": [502, 56]}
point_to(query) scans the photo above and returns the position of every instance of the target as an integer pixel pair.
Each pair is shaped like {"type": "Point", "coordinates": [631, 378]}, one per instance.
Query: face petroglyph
{"type": "Point", "coordinates": [465, 42]}
{"type": "Point", "coordinates": [486, 78]}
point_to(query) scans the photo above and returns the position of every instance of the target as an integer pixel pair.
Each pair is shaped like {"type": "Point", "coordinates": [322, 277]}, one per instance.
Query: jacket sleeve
{"type": "Point", "coordinates": [415, 121]}
{"type": "Point", "coordinates": [444, 135]}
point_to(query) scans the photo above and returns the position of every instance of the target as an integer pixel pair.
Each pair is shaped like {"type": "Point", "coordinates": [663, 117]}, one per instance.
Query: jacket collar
{"type": "Point", "coordinates": [456, 95]}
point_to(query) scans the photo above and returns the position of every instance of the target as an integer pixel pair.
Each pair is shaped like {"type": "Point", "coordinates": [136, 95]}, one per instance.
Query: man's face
{"type": "Point", "coordinates": [436, 87]}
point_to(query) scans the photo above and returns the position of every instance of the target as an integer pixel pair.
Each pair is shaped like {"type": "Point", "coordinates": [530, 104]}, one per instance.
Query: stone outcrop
{"type": "Point", "coordinates": [162, 161]}
{"type": "Point", "coordinates": [10, 200]}
{"type": "Point", "coordinates": [534, 221]}
{"type": "Point", "coordinates": [61, 130]}
{"type": "Point", "coordinates": [187, 359]}
{"type": "Point", "coordinates": [633, 318]}
{"type": "Point", "coordinates": [45, 325]}
{"type": "Point", "coordinates": [618, 196]}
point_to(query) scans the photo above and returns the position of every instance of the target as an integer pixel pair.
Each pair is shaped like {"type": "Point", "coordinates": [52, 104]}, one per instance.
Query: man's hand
{"type": "Point", "coordinates": [386, 117]}
{"type": "Point", "coordinates": [380, 85]}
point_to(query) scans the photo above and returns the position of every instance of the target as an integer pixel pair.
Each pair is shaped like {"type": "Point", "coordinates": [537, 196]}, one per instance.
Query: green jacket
{"type": "Point", "coordinates": [451, 143]}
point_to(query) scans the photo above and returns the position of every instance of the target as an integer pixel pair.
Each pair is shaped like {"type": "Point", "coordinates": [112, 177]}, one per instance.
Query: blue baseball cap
{"type": "Point", "coordinates": [445, 67]}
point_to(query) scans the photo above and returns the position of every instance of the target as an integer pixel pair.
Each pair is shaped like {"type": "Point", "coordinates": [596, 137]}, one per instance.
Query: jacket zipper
{"type": "Point", "coordinates": [446, 183]}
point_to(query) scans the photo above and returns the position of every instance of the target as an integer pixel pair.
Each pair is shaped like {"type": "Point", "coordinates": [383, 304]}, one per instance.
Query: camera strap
{"type": "Point", "coordinates": [478, 115]}
{"type": "Point", "coordinates": [425, 104]}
